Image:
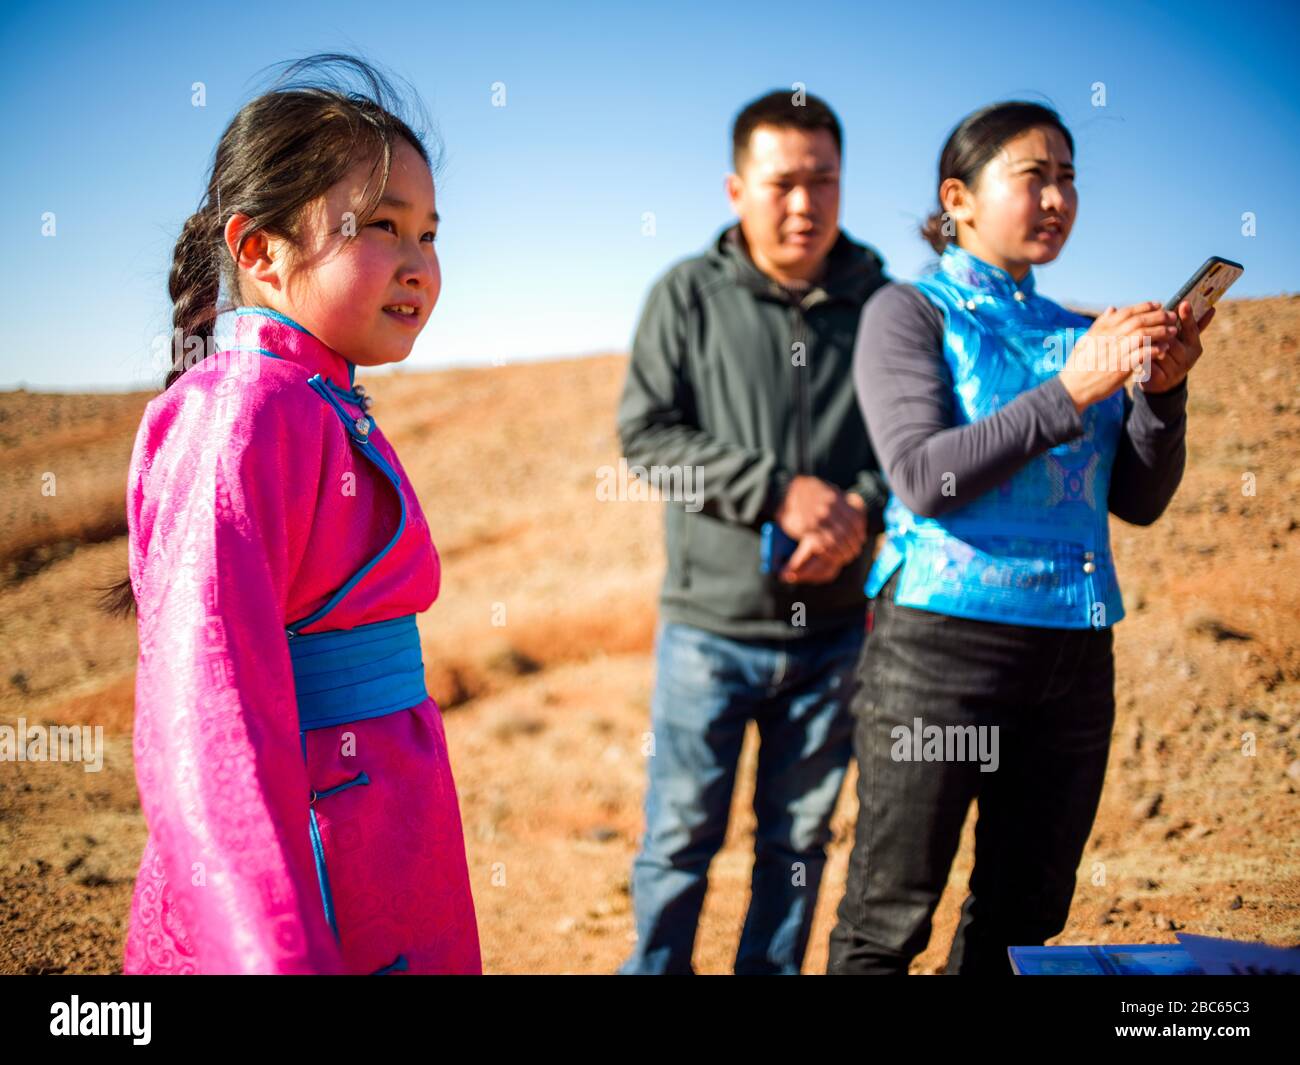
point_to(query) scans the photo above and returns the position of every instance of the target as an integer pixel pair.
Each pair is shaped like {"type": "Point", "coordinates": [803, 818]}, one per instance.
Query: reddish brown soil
{"type": "Point", "coordinates": [545, 712]}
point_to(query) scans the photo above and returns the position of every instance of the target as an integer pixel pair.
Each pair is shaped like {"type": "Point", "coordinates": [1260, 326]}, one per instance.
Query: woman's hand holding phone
{"type": "Point", "coordinates": [1170, 370]}
{"type": "Point", "coordinates": [1117, 344]}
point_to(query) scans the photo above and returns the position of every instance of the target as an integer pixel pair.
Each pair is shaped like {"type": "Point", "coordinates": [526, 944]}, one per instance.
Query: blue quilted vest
{"type": "Point", "coordinates": [1036, 549]}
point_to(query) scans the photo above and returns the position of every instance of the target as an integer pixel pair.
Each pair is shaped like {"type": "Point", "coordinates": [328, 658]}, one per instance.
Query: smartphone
{"type": "Point", "coordinates": [775, 549]}
{"type": "Point", "coordinates": [1207, 285]}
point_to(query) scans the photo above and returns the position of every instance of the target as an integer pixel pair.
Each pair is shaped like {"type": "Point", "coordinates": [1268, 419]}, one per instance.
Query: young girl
{"type": "Point", "coordinates": [292, 769]}
{"type": "Point", "coordinates": [988, 672]}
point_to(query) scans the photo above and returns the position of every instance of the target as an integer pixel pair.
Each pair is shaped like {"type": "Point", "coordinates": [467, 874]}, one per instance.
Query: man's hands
{"type": "Point", "coordinates": [829, 524]}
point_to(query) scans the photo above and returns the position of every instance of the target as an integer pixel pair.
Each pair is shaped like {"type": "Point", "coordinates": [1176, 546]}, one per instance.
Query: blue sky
{"type": "Point", "coordinates": [613, 111]}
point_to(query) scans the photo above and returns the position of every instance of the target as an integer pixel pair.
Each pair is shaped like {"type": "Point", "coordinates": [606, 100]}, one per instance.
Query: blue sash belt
{"type": "Point", "coordinates": [351, 674]}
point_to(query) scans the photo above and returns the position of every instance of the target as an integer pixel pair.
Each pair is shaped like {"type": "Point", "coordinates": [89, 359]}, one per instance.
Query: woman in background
{"type": "Point", "coordinates": [995, 594]}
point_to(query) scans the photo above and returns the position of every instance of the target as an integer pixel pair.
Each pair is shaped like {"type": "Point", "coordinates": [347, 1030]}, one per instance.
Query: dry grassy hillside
{"type": "Point", "coordinates": [544, 714]}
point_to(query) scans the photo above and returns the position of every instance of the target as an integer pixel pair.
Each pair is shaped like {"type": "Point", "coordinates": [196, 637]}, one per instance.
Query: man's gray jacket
{"type": "Point", "coordinates": [751, 383]}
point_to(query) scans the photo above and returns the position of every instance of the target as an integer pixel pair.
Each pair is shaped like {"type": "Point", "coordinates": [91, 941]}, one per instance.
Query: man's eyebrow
{"type": "Point", "coordinates": [827, 168]}
{"type": "Point", "coordinates": [393, 201]}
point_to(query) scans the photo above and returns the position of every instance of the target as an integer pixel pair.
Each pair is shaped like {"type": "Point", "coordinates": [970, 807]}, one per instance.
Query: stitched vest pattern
{"type": "Point", "coordinates": [1035, 550]}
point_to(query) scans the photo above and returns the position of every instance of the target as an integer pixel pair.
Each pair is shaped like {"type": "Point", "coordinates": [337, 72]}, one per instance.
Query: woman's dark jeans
{"type": "Point", "coordinates": [1050, 695]}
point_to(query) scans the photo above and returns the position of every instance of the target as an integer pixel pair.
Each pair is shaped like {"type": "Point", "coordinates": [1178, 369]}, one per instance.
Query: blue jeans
{"type": "Point", "coordinates": [707, 687]}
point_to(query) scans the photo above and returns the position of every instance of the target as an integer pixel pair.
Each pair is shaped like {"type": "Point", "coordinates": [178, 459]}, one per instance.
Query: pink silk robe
{"type": "Point", "coordinates": [247, 508]}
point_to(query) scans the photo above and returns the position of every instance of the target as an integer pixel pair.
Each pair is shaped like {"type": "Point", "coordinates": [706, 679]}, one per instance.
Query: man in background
{"type": "Point", "coordinates": [741, 372]}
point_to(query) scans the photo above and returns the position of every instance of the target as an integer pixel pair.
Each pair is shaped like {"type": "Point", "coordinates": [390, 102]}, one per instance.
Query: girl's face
{"type": "Point", "coordinates": [1023, 204]}
{"type": "Point", "coordinates": [347, 292]}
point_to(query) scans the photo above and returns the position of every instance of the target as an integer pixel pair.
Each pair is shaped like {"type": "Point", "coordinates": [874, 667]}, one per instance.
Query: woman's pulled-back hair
{"type": "Point", "coordinates": [283, 150]}
{"type": "Point", "coordinates": [977, 139]}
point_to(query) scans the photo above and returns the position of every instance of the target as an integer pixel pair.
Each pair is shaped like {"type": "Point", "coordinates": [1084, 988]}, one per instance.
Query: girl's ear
{"type": "Point", "coordinates": [956, 200]}
{"type": "Point", "coordinates": [253, 254]}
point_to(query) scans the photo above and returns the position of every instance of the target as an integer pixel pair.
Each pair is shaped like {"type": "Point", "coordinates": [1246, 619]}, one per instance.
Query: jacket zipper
{"type": "Point", "coordinates": [685, 552]}
{"type": "Point", "coordinates": [801, 400]}
{"type": "Point", "coordinates": [788, 594]}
